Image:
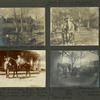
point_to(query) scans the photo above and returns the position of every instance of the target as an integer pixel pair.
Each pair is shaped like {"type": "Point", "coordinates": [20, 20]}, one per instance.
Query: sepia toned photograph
{"type": "Point", "coordinates": [22, 68]}
{"type": "Point", "coordinates": [74, 26]}
{"type": "Point", "coordinates": [22, 26]}
{"type": "Point", "coordinates": [74, 68]}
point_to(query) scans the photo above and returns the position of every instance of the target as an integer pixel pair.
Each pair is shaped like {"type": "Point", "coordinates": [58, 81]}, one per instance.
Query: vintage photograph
{"type": "Point", "coordinates": [22, 26]}
{"type": "Point", "coordinates": [74, 68]}
{"type": "Point", "coordinates": [74, 26]}
{"type": "Point", "coordinates": [22, 68]}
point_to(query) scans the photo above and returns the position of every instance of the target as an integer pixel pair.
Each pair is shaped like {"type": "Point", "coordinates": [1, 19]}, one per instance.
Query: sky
{"type": "Point", "coordinates": [89, 57]}
{"type": "Point", "coordinates": [33, 12]}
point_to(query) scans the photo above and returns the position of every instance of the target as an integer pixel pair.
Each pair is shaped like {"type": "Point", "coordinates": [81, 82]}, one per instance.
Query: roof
{"type": "Point", "coordinates": [26, 54]}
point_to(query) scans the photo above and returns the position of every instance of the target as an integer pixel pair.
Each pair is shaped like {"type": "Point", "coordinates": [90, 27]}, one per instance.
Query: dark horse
{"type": "Point", "coordinates": [10, 65]}
{"type": "Point", "coordinates": [64, 67]}
{"type": "Point", "coordinates": [25, 66]}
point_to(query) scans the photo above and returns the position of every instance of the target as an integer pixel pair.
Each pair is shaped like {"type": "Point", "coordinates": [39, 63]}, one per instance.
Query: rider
{"type": "Point", "coordinates": [64, 29]}
{"type": "Point", "coordinates": [18, 61]}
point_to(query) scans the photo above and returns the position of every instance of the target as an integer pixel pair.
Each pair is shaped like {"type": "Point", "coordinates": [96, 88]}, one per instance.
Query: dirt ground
{"type": "Point", "coordinates": [35, 80]}
{"type": "Point", "coordinates": [83, 37]}
{"type": "Point", "coordinates": [74, 81]}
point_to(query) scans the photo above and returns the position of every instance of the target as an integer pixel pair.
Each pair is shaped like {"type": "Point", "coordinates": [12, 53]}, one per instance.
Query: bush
{"type": "Point", "coordinates": [74, 71]}
{"type": "Point", "coordinates": [88, 71]}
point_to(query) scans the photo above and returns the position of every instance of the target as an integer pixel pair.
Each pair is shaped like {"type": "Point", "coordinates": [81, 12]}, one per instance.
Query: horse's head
{"type": "Point", "coordinates": [66, 19]}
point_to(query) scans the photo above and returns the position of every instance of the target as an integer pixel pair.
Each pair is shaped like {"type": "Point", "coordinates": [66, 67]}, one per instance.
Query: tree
{"type": "Point", "coordinates": [15, 20]}
{"type": "Point", "coordinates": [72, 55]}
{"type": "Point", "coordinates": [79, 14]}
{"type": "Point", "coordinates": [21, 20]}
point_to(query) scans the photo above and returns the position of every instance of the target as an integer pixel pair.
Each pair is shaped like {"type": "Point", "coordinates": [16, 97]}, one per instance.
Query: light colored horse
{"type": "Point", "coordinates": [68, 31]}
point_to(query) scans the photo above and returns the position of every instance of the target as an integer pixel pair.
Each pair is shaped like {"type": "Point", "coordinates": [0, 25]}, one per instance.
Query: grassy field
{"type": "Point", "coordinates": [38, 33]}
{"type": "Point", "coordinates": [84, 37]}
{"type": "Point", "coordinates": [75, 81]}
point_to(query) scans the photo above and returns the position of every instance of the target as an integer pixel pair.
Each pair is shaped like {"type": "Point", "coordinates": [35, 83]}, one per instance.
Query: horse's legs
{"type": "Point", "coordinates": [14, 73]}
{"type": "Point", "coordinates": [66, 37]}
{"type": "Point", "coordinates": [65, 72]}
{"type": "Point", "coordinates": [63, 41]}
{"type": "Point", "coordinates": [73, 38]}
{"type": "Point", "coordinates": [57, 73]}
{"type": "Point", "coordinates": [16, 68]}
{"type": "Point", "coordinates": [69, 37]}
{"type": "Point", "coordinates": [7, 73]}
{"type": "Point", "coordinates": [29, 71]}
{"type": "Point", "coordinates": [26, 70]}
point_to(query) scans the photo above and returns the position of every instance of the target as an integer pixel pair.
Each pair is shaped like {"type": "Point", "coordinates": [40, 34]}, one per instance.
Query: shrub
{"type": "Point", "coordinates": [74, 71]}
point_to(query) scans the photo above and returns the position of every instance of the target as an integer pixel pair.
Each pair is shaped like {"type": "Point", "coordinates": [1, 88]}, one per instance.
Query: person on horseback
{"type": "Point", "coordinates": [19, 61]}
{"type": "Point", "coordinates": [68, 30]}
{"type": "Point", "coordinates": [23, 64]}
{"type": "Point", "coordinates": [64, 30]}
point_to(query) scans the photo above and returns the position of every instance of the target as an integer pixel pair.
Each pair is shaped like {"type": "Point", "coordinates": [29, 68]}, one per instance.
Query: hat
{"type": "Point", "coordinates": [66, 18]}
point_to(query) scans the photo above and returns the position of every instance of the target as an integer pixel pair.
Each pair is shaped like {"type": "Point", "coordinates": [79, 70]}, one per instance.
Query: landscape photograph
{"type": "Point", "coordinates": [22, 68]}
{"type": "Point", "coordinates": [70, 68]}
{"type": "Point", "coordinates": [22, 26]}
{"type": "Point", "coordinates": [74, 26]}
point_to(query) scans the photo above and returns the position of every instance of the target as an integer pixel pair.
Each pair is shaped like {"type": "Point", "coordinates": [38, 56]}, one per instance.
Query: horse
{"type": "Point", "coordinates": [64, 67]}
{"type": "Point", "coordinates": [10, 65]}
{"type": "Point", "coordinates": [26, 66]}
{"type": "Point", "coordinates": [68, 31]}
{"type": "Point", "coordinates": [30, 28]}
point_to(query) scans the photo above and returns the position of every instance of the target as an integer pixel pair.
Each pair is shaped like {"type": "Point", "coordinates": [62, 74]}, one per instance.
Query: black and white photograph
{"type": "Point", "coordinates": [22, 26]}
{"type": "Point", "coordinates": [74, 26]}
{"type": "Point", "coordinates": [22, 68]}
{"type": "Point", "coordinates": [74, 68]}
